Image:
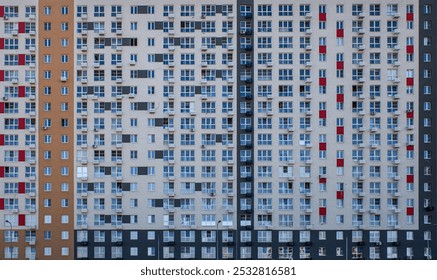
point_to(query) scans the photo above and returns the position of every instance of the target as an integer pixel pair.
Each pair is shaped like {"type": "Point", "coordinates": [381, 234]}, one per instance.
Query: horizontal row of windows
{"type": "Point", "coordinates": [359, 188]}
{"type": "Point", "coordinates": [284, 220]}
{"type": "Point", "coordinates": [187, 252]}
{"type": "Point", "coordinates": [262, 139]}
{"type": "Point", "coordinates": [207, 155]}
{"type": "Point", "coordinates": [211, 58]}
{"type": "Point", "coordinates": [245, 10]}
{"type": "Point", "coordinates": [361, 204]}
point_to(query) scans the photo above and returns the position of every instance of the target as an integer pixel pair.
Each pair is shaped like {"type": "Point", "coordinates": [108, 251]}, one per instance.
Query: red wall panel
{"type": "Point", "coordinates": [322, 114]}
{"type": "Point", "coordinates": [21, 27]}
{"type": "Point", "coordinates": [21, 59]}
{"type": "Point", "coordinates": [22, 155]}
{"type": "Point", "coordinates": [21, 220]}
{"type": "Point", "coordinates": [21, 123]}
{"type": "Point", "coordinates": [21, 91]}
{"type": "Point", "coordinates": [322, 146]}
{"type": "Point", "coordinates": [21, 187]}
{"type": "Point", "coordinates": [322, 211]}
{"type": "Point", "coordinates": [322, 81]}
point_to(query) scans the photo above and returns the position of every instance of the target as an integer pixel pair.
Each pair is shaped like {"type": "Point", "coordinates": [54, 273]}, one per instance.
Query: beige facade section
{"type": "Point", "coordinates": [18, 193]}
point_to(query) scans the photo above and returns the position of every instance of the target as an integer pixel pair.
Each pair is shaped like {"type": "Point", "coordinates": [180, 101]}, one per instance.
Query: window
{"type": "Point", "coordinates": [47, 10]}
{"type": "Point", "coordinates": [99, 11]}
{"type": "Point", "coordinates": [285, 10]}
{"type": "Point", "coordinates": [64, 26]}
{"type": "Point", "coordinates": [64, 10]}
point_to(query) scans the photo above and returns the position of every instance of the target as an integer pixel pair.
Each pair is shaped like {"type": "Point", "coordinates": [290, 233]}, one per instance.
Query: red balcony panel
{"type": "Point", "coordinates": [410, 49]}
{"type": "Point", "coordinates": [410, 178]}
{"type": "Point", "coordinates": [410, 211]}
{"type": "Point", "coordinates": [410, 115]}
{"type": "Point", "coordinates": [410, 16]}
{"type": "Point", "coordinates": [322, 146]}
{"type": "Point", "coordinates": [410, 147]}
{"type": "Point", "coordinates": [340, 194]}
{"type": "Point", "coordinates": [2, 11]}
{"type": "Point", "coordinates": [340, 97]}
{"type": "Point", "coordinates": [322, 114]}
{"type": "Point", "coordinates": [340, 130]}
{"type": "Point", "coordinates": [21, 91]}
{"type": "Point", "coordinates": [2, 43]}
{"type": "Point", "coordinates": [410, 81]}
{"type": "Point", "coordinates": [2, 171]}
{"type": "Point", "coordinates": [21, 220]}
{"type": "Point", "coordinates": [2, 107]}
{"type": "Point", "coordinates": [340, 33]}
{"type": "Point", "coordinates": [340, 162]}
{"type": "Point", "coordinates": [2, 139]}
{"type": "Point", "coordinates": [21, 187]}
{"type": "Point", "coordinates": [21, 27]}
{"type": "Point", "coordinates": [322, 49]}
{"type": "Point", "coordinates": [21, 59]}
{"type": "Point", "coordinates": [21, 123]}
{"type": "Point", "coordinates": [2, 75]}
{"type": "Point", "coordinates": [322, 211]}
{"type": "Point", "coordinates": [21, 155]}
{"type": "Point", "coordinates": [2, 204]}
{"type": "Point", "coordinates": [322, 180]}
{"type": "Point", "coordinates": [322, 81]}
{"type": "Point", "coordinates": [322, 16]}
{"type": "Point", "coordinates": [340, 65]}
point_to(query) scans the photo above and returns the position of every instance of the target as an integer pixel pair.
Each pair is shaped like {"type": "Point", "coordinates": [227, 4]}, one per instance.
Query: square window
{"type": "Point", "coordinates": [134, 251]}
{"type": "Point", "coordinates": [47, 251]}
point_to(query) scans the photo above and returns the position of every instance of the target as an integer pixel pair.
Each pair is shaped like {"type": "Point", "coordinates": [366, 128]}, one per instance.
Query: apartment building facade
{"type": "Point", "coordinates": [239, 130]}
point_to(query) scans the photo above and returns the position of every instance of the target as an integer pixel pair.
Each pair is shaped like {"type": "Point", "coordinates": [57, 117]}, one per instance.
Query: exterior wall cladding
{"type": "Point", "coordinates": [242, 130]}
